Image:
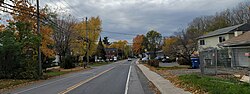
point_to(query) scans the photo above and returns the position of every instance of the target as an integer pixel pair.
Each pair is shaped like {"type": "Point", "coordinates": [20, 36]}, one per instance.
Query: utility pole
{"type": "Point", "coordinates": [38, 31]}
{"type": "Point", "coordinates": [87, 41]}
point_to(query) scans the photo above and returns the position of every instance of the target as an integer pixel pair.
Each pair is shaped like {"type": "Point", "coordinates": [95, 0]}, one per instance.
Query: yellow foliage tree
{"type": "Point", "coordinates": [47, 41]}
{"type": "Point", "coordinates": [79, 44]}
{"type": "Point", "coordinates": [121, 44]}
{"type": "Point", "coordinates": [123, 47]}
{"type": "Point", "coordinates": [170, 46]}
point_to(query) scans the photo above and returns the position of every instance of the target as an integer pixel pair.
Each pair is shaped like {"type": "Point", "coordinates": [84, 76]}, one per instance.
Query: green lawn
{"type": "Point", "coordinates": [55, 73]}
{"type": "Point", "coordinates": [172, 68]}
{"type": "Point", "coordinates": [216, 85]}
{"type": "Point", "coordinates": [99, 64]}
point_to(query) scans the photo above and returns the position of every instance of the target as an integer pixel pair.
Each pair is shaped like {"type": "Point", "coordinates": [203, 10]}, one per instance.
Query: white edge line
{"type": "Point", "coordinates": [126, 88]}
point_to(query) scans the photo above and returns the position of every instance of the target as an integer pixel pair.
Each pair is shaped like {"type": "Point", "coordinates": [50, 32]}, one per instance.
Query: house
{"type": "Point", "coordinates": [111, 53]}
{"type": "Point", "coordinates": [158, 54]}
{"type": "Point", "coordinates": [212, 39]}
{"type": "Point", "coordinates": [240, 49]}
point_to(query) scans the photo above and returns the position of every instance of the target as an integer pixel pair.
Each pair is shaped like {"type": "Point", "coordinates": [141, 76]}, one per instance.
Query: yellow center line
{"type": "Point", "coordinates": [85, 81]}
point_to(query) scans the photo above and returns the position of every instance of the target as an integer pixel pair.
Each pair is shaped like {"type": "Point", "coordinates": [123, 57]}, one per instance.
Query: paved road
{"type": "Point", "coordinates": [107, 79]}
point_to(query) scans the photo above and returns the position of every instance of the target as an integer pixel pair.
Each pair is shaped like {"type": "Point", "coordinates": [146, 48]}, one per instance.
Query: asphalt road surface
{"type": "Point", "coordinates": [122, 77]}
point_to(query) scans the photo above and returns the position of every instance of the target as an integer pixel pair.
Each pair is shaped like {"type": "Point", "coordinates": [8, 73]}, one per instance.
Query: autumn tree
{"type": "Point", "coordinates": [128, 51]}
{"type": "Point", "coordinates": [170, 46]}
{"type": "Point", "coordinates": [94, 28]}
{"type": "Point", "coordinates": [63, 37]}
{"type": "Point", "coordinates": [24, 28]}
{"type": "Point", "coordinates": [26, 14]}
{"type": "Point", "coordinates": [139, 44]}
{"type": "Point", "coordinates": [121, 45]}
{"type": "Point", "coordinates": [229, 17]}
{"type": "Point", "coordinates": [154, 41]}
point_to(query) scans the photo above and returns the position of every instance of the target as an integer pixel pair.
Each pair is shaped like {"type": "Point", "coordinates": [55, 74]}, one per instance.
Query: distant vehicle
{"type": "Point", "coordinates": [115, 59]}
{"type": "Point", "coordinates": [158, 58]}
{"type": "Point", "coordinates": [144, 59]}
{"type": "Point", "coordinates": [129, 59]}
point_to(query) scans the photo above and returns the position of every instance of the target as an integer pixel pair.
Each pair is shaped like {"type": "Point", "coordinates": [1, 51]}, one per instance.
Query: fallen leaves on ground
{"type": "Point", "coordinates": [174, 80]}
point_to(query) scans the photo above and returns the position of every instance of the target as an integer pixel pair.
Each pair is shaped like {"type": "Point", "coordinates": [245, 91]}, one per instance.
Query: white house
{"type": "Point", "coordinates": [212, 39]}
{"type": "Point", "coordinates": [227, 38]}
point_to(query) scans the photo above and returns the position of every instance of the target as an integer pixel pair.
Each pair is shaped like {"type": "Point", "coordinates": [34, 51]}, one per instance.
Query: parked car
{"type": "Point", "coordinates": [129, 59]}
{"type": "Point", "coordinates": [144, 59]}
{"type": "Point", "coordinates": [115, 59]}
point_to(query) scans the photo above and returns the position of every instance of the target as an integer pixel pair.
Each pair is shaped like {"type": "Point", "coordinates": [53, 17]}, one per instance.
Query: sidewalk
{"type": "Point", "coordinates": [164, 85]}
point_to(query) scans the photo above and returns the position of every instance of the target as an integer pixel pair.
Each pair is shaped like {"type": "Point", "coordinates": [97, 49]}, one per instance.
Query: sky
{"type": "Point", "coordinates": [133, 17]}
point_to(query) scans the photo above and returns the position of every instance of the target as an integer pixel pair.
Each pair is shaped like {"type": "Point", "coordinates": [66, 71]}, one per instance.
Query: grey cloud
{"type": "Point", "coordinates": [139, 16]}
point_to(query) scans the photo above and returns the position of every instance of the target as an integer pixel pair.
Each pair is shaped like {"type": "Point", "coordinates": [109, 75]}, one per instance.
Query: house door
{"type": "Point", "coordinates": [240, 57]}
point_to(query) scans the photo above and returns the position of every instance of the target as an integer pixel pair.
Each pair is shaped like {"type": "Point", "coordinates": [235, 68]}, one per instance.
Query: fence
{"type": "Point", "coordinates": [224, 61]}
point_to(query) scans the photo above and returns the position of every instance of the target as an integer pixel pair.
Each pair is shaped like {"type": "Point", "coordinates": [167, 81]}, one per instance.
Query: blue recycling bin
{"type": "Point", "coordinates": [195, 62]}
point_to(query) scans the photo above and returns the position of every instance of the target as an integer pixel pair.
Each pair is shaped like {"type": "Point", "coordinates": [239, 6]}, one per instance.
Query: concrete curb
{"type": "Point", "coordinates": [164, 85]}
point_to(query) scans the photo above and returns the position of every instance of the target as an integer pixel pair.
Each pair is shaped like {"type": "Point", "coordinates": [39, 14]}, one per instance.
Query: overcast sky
{"type": "Point", "coordinates": [139, 16]}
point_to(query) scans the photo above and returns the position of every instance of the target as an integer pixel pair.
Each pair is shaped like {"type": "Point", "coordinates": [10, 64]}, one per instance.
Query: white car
{"type": "Point", "coordinates": [129, 59]}
{"type": "Point", "coordinates": [144, 59]}
{"type": "Point", "coordinates": [115, 58]}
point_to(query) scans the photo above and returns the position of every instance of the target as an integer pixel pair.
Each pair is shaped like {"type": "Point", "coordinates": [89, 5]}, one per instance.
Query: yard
{"type": "Point", "coordinates": [214, 85]}
{"type": "Point", "coordinates": [191, 80]}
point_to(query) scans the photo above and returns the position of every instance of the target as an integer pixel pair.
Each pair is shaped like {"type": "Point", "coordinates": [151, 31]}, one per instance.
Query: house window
{"type": "Point", "coordinates": [202, 42]}
{"type": "Point", "coordinates": [221, 39]}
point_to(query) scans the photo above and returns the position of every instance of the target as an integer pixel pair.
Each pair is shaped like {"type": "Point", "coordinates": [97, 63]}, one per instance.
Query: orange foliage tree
{"type": "Point", "coordinates": [26, 14]}
{"type": "Point", "coordinates": [138, 46]}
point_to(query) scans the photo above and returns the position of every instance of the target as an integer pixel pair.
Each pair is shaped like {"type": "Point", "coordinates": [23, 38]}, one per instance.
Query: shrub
{"type": "Point", "coordinates": [68, 62]}
{"type": "Point", "coordinates": [154, 63]}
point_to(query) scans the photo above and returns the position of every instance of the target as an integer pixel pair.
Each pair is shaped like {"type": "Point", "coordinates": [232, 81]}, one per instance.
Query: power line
{"type": "Point", "coordinates": [55, 2]}
{"type": "Point", "coordinates": [120, 33]}
{"type": "Point", "coordinates": [44, 19]}
{"type": "Point", "coordinates": [54, 23]}
{"type": "Point", "coordinates": [72, 7]}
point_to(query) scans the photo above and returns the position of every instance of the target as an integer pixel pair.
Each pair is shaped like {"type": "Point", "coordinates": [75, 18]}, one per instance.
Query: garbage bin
{"type": "Point", "coordinates": [195, 62]}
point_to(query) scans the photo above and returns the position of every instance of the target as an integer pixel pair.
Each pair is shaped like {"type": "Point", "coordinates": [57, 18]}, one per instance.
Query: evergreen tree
{"type": "Point", "coordinates": [106, 41]}
{"type": "Point", "coordinates": [100, 51]}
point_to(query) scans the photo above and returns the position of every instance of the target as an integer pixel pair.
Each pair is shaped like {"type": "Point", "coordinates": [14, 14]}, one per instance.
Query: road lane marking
{"type": "Point", "coordinates": [126, 88]}
{"type": "Point", "coordinates": [85, 81]}
{"type": "Point", "coordinates": [45, 84]}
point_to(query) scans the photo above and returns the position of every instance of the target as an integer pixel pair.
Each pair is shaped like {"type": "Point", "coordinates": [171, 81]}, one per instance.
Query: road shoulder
{"type": "Point", "coordinates": [164, 85]}
{"type": "Point", "coordinates": [135, 86]}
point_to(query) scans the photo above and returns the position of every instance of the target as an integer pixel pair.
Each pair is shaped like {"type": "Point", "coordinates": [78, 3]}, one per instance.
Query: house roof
{"type": "Point", "coordinates": [241, 40]}
{"type": "Point", "coordinates": [227, 30]}
{"type": "Point", "coordinates": [110, 49]}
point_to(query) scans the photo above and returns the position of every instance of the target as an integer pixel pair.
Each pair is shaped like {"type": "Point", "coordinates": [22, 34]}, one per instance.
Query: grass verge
{"type": "Point", "coordinates": [11, 83]}
{"type": "Point", "coordinates": [55, 73]}
{"type": "Point", "coordinates": [99, 64]}
{"type": "Point", "coordinates": [8, 83]}
{"type": "Point", "coordinates": [172, 68]}
{"type": "Point", "coordinates": [214, 85]}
